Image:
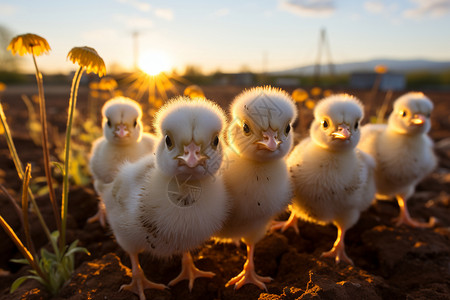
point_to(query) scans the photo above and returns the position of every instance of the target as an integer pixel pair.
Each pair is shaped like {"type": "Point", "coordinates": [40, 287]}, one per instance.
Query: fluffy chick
{"type": "Point", "coordinates": [123, 140]}
{"type": "Point", "coordinates": [333, 181]}
{"type": "Point", "coordinates": [403, 151]}
{"type": "Point", "coordinates": [171, 202]}
{"type": "Point", "coordinates": [256, 174]}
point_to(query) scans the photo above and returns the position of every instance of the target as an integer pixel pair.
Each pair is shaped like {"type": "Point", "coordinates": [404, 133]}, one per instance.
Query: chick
{"type": "Point", "coordinates": [256, 174]}
{"type": "Point", "coordinates": [403, 151]}
{"type": "Point", "coordinates": [333, 181]}
{"type": "Point", "coordinates": [171, 202]}
{"type": "Point", "coordinates": [123, 140]}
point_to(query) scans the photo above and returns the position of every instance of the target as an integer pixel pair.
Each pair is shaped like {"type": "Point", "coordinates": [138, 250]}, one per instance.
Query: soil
{"type": "Point", "coordinates": [390, 262]}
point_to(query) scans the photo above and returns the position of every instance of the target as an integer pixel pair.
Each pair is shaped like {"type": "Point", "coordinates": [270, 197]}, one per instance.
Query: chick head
{"type": "Point", "coordinates": [190, 133]}
{"type": "Point", "coordinates": [121, 122]}
{"type": "Point", "coordinates": [411, 114]}
{"type": "Point", "coordinates": [336, 122]}
{"type": "Point", "coordinates": [261, 129]}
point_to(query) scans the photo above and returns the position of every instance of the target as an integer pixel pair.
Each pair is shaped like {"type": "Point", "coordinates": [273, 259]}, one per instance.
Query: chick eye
{"type": "Point", "coordinates": [108, 123]}
{"type": "Point", "coordinates": [325, 124]}
{"type": "Point", "coordinates": [288, 129]}
{"type": "Point", "coordinates": [246, 129]}
{"type": "Point", "coordinates": [356, 125]}
{"type": "Point", "coordinates": [169, 143]}
{"type": "Point", "coordinates": [135, 123]}
{"type": "Point", "coordinates": [403, 113]}
{"type": "Point", "coordinates": [215, 142]}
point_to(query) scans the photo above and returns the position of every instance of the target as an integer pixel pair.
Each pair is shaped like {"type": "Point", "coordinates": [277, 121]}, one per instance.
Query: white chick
{"type": "Point", "coordinates": [123, 140]}
{"type": "Point", "coordinates": [403, 151]}
{"type": "Point", "coordinates": [256, 174]}
{"type": "Point", "coordinates": [171, 202]}
{"type": "Point", "coordinates": [333, 181]}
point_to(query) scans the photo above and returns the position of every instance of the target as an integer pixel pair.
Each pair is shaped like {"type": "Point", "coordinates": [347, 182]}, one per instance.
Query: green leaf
{"type": "Point", "coordinates": [59, 165]}
{"type": "Point", "coordinates": [77, 249]}
{"type": "Point", "coordinates": [20, 261]}
{"type": "Point", "coordinates": [17, 283]}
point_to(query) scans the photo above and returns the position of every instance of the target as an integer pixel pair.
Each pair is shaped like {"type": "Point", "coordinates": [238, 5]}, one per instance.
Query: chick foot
{"type": "Point", "coordinates": [405, 218]}
{"type": "Point", "coordinates": [248, 274]}
{"type": "Point", "coordinates": [100, 216]}
{"type": "Point", "coordinates": [283, 225]}
{"type": "Point", "coordinates": [139, 282]}
{"type": "Point", "coordinates": [338, 250]}
{"type": "Point", "coordinates": [189, 271]}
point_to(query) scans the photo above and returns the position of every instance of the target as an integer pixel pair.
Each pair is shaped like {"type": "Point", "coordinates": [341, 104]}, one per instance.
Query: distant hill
{"type": "Point", "coordinates": [393, 65]}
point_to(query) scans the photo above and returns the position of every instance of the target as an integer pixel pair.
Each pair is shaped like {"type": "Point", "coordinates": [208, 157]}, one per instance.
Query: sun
{"type": "Point", "coordinates": [154, 62]}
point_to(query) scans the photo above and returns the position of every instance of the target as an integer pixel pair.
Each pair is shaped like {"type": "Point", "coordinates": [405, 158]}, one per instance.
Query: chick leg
{"type": "Point", "coordinates": [139, 282]}
{"type": "Point", "coordinates": [283, 225]}
{"type": "Point", "coordinates": [100, 215]}
{"type": "Point", "coordinates": [405, 218]}
{"type": "Point", "coordinates": [189, 271]}
{"type": "Point", "coordinates": [338, 250]}
{"type": "Point", "coordinates": [248, 274]}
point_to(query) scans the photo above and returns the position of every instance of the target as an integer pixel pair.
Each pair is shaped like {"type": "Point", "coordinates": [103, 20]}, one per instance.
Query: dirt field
{"type": "Point", "coordinates": [390, 262]}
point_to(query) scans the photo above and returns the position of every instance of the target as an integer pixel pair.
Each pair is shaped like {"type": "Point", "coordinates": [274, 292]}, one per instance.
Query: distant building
{"type": "Point", "coordinates": [389, 81]}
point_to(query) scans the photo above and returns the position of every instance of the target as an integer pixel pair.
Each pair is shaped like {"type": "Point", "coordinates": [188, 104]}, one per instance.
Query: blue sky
{"type": "Point", "coordinates": [232, 35]}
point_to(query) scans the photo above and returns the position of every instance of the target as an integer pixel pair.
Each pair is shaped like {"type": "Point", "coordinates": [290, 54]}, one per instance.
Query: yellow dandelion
{"type": "Point", "coordinates": [107, 84]}
{"type": "Point", "coordinates": [194, 91]}
{"type": "Point", "coordinates": [327, 93]}
{"type": "Point", "coordinates": [299, 95]}
{"type": "Point", "coordinates": [93, 85]}
{"type": "Point", "coordinates": [315, 91]}
{"type": "Point", "coordinates": [310, 104]}
{"type": "Point", "coordinates": [29, 44]}
{"type": "Point", "coordinates": [89, 59]}
{"type": "Point", "coordinates": [381, 69]}
{"type": "Point", "coordinates": [2, 86]}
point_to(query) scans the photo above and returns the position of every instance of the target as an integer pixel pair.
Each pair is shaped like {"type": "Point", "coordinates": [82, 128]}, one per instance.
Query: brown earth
{"type": "Point", "coordinates": [390, 262]}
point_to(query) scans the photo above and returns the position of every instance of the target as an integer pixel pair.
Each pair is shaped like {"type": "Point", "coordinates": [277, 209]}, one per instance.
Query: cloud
{"type": "Point", "coordinates": [432, 8]}
{"type": "Point", "coordinates": [164, 13]}
{"type": "Point", "coordinates": [7, 9]}
{"type": "Point", "coordinates": [134, 22]}
{"type": "Point", "coordinates": [221, 12]}
{"type": "Point", "coordinates": [375, 7]}
{"type": "Point", "coordinates": [142, 6]}
{"type": "Point", "coordinates": [311, 8]}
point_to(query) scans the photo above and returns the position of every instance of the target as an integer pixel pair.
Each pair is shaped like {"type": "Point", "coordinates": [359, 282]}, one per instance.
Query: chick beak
{"type": "Point", "coordinates": [121, 130]}
{"type": "Point", "coordinates": [270, 140]}
{"type": "Point", "coordinates": [343, 132]}
{"type": "Point", "coordinates": [418, 120]}
{"type": "Point", "coordinates": [192, 156]}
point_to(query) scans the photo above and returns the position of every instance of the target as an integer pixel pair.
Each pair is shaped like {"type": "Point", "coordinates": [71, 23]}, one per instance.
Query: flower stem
{"type": "Point", "coordinates": [22, 248]}
{"type": "Point", "coordinates": [45, 150]}
{"type": "Point", "coordinates": [20, 172]}
{"type": "Point", "coordinates": [12, 148]}
{"type": "Point", "coordinates": [65, 194]}
{"type": "Point", "coordinates": [26, 223]}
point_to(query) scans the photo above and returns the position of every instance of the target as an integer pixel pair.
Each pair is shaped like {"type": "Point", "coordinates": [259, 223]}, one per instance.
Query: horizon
{"type": "Point", "coordinates": [264, 36]}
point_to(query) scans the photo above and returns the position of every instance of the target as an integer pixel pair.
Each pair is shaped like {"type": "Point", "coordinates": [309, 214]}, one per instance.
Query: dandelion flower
{"type": "Point", "coordinates": [29, 44]}
{"type": "Point", "coordinates": [299, 95]}
{"type": "Point", "coordinates": [380, 69]}
{"type": "Point", "coordinates": [89, 59]}
{"type": "Point", "coordinates": [2, 86]}
{"type": "Point", "coordinates": [315, 91]}
{"type": "Point", "coordinates": [194, 91]}
{"type": "Point", "coordinates": [107, 84]}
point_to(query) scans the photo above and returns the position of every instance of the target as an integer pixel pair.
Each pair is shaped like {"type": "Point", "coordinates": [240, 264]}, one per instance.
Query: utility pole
{"type": "Point", "coordinates": [135, 49]}
{"type": "Point", "coordinates": [323, 46]}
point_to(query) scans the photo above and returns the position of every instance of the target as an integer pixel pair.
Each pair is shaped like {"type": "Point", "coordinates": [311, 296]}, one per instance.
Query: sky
{"type": "Point", "coordinates": [232, 35]}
